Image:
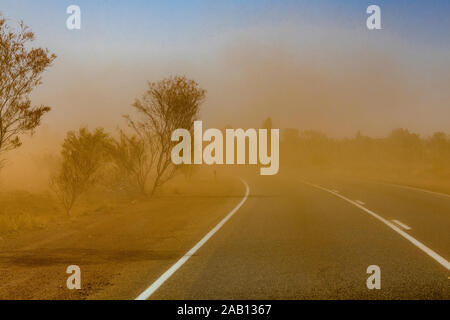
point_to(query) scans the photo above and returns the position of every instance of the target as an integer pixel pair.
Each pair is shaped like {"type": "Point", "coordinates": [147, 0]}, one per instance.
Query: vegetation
{"type": "Point", "coordinates": [167, 105]}
{"type": "Point", "coordinates": [83, 155]}
{"type": "Point", "coordinates": [133, 160]}
{"type": "Point", "coordinates": [21, 69]}
{"type": "Point", "coordinates": [401, 155]}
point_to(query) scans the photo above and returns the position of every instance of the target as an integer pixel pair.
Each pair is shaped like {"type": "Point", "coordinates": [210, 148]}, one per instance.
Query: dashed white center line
{"type": "Point", "coordinates": [360, 202]}
{"type": "Point", "coordinates": [401, 224]}
{"type": "Point", "coordinates": [435, 256]}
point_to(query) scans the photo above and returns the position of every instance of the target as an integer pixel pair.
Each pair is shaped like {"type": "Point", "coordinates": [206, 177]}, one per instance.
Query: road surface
{"type": "Point", "coordinates": [291, 240]}
{"type": "Point", "coordinates": [287, 240]}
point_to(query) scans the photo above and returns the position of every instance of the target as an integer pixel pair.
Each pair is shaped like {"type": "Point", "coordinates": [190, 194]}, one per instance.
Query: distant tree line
{"type": "Point", "coordinates": [400, 150]}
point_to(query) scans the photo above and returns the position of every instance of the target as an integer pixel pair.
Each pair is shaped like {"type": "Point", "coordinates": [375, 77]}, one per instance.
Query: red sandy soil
{"type": "Point", "coordinates": [120, 253]}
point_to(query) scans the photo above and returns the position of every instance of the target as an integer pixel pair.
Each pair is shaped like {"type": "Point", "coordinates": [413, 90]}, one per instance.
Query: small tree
{"type": "Point", "coordinates": [83, 154]}
{"type": "Point", "coordinates": [167, 105]}
{"type": "Point", "coordinates": [133, 159]}
{"type": "Point", "coordinates": [439, 150]}
{"type": "Point", "coordinates": [21, 68]}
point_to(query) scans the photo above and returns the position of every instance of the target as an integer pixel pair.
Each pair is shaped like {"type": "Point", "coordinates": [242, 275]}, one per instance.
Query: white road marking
{"type": "Point", "coordinates": [335, 191]}
{"type": "Point", "coordinates": [401, 224]}
{"type": "Point", "coordinates": [166, 275]}
{"type": "Point", "coordinates": [441, 260]}
{"type": "Point", "coordinates": [360, 202]}
{"type": "Point", "coordinates": [419, 189]}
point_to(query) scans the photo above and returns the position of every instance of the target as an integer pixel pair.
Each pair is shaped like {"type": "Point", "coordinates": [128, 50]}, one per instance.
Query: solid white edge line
{"type": "Point", "coordinates": [441, 260]}
{"type": "Point", "coordinates": [166, 275]}
{"type": "Point", "coordinates": [401, 224]}
{"type": "Point", "coordinates": [360, 202]}
{"type": "Point", "coordinates": [440, 194]}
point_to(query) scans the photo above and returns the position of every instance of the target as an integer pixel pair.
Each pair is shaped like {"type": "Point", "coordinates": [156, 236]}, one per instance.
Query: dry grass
{"type": "Point", "coordinates": [24, 211]}
{"type": "Point", "coordinates": [21, 210]}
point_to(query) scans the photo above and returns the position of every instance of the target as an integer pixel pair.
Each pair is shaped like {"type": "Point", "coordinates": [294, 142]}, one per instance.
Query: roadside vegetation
{"type": "Point", "coordinates": [134, 162]}
{"type": "Point", "coordinates": [402, 157]}
{"type": "Point", "coordinates": [21, 69]}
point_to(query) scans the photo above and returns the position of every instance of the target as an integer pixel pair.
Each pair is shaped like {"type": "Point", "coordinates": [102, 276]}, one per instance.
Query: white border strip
{"type": "Point", "coordinates": [166, 275]}
{"type": "Point", "coordinates": [442, 261]}
{"type": "Point", "coordinates": [440, 194]}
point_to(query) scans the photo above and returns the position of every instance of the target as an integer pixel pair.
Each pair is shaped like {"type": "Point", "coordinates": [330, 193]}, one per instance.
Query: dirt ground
{"type": "Point", "coordinates": [120, 251]}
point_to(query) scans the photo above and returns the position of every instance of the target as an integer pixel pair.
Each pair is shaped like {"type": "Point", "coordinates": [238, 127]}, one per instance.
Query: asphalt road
{"type": "Point", "coordinates": [291, 240]}
{"type": "Point", "coordinates": [288, 240]}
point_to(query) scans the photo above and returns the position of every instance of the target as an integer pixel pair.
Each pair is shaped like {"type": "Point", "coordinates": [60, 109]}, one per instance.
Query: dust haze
{"type": "Point", "coordinates": [337, 91]}
{"type": "Point", "coordinates": [92, 182]}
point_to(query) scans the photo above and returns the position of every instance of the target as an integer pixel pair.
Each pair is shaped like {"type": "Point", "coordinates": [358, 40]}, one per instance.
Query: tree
{"type": "Point", "coordinates": [169, 104]}
{"type": "Point", "coordinates": [83, 154]}
{"type": "Point", "coordinates": [21, 69]}
{"type": "Point", "coordinates": [405, 146]}
{"type": "Point", "coordinates": [439, 149]}
{"type": "Point", "coordinates": [133, 159]}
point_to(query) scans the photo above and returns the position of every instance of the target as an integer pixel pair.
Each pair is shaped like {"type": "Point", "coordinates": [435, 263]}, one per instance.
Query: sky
{"type": "Point", "coordinates": [307, 64]}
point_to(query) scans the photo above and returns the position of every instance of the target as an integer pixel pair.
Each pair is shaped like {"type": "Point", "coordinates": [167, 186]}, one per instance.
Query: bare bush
{"type": "Point", "coordinates": [83, 155]}
{"type": "Point", "coordinates": [167, 105]}
{"type": "Point", "coordinates": [133, 159]}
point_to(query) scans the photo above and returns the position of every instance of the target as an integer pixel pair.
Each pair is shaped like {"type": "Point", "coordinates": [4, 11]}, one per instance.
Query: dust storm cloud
{"type": "Point", "coordinates": [327, 83]}
{"type": "Point", "coordinates": [335, 92]}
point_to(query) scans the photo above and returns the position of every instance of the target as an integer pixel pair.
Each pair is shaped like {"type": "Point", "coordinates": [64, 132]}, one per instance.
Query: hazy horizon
{"type": "Point", "coordinates": [286, 60]}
